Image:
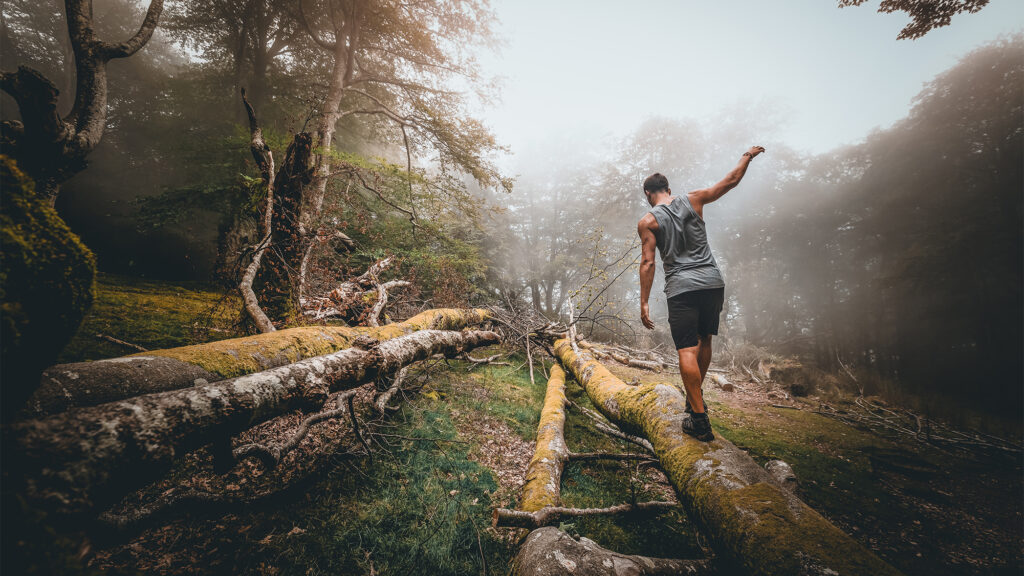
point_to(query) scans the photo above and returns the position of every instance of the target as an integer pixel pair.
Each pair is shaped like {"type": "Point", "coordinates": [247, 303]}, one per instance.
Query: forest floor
{"type": "Point", "coordinates": [459, 448]}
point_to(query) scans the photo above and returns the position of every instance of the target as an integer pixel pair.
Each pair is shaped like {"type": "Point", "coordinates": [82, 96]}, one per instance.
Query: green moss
{"type": "Point", "coordinates": [152, 314]}
{"type": "Point", "coordinates": [46, 284]}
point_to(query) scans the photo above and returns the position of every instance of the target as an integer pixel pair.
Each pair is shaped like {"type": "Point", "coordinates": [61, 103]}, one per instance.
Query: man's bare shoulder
{"type": "Point", "coordinates": [648, 222]}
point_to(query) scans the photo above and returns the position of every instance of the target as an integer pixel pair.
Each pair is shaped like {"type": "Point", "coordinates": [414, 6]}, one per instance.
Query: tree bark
{"type": "Point", "coordinates": [89, 383]}
{"type": "Point", "coordinates": [551, 552]}
{"type": "Point", "coordinates": [71, 463]}
{"type": "Point", "coordinates": [752, 522]}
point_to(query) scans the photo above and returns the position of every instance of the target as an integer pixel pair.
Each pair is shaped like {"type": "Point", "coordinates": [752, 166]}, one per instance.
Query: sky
{"type": "Point", "coordinates": [583, 73]}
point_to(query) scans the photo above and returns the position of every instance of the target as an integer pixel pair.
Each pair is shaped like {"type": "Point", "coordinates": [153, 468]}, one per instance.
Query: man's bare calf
{"type": "Point", "coordinates": [693, 367]}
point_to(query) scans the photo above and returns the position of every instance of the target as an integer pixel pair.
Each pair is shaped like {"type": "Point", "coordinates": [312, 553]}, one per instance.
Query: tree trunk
{"type": "Point", "coordinates": [544, 474]}
{"type": "Point", "coordinates": [71, 463]}
{"type": "Point", "coordinates": [551, 552]}
{"type": "Point", "coordinates": [753, 523]}
{"type": "Point", "coordinates": [52, 149]}
{"type": "Point", "coordinates": [89, 383]}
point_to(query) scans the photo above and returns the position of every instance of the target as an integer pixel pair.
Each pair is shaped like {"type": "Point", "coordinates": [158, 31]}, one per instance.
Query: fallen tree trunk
{"type": "Point", "coordinates": [551, 552]}
{"type": "Point", "coordinates": [89, 383]}
{"type": "Point", "coordinates": [544, 473]}
{"type": "Point", "coordinates": [752, 522]}
{"type": "Point", "coordinates": [86, 457]}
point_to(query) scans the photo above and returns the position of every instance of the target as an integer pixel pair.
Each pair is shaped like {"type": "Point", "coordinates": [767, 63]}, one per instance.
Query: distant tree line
{"type": "Point", "coordinates": [900, 256]}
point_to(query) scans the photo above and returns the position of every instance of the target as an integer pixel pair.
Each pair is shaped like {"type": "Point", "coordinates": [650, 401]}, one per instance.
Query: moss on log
{"type": "Point", "coordinates": [72, 462]}
{"type": "Point", "coordinates": [89, 383]}
{"type": "Point", "coordinates": [752, 522]}
{"type": "Point", "coordinates": [544, 474]}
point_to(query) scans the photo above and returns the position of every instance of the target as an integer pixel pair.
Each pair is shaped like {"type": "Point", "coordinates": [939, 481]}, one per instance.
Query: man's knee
{"type": "Point", "coordinates": [687, 355]}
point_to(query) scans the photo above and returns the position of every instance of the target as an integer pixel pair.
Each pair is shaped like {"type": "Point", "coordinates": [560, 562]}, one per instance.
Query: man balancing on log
{"type": "Point", "coordinates": [693, 282]}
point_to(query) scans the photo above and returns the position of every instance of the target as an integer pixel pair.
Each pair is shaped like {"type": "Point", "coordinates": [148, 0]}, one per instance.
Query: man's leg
{"type": "Point", "coordinates": [690, 370]}
{"type": "Point", "coordinates": [703, 362]}
{"type": "Point", "coordinates": [704, 356]}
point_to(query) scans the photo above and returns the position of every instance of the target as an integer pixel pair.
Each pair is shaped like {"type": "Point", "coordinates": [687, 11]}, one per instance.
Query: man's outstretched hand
{"type": "Point", "coordinates": [754, 151]}
{"type": "Point", "coordinates": [645, 316]}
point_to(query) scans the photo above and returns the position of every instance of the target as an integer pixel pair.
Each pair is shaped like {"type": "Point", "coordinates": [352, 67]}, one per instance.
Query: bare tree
{"type": "Point", "coordinates": [52, 149]}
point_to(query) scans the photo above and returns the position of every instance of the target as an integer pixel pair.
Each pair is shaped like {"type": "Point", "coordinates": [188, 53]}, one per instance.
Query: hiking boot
{"type": "Point", "coordinates": [698, 426]}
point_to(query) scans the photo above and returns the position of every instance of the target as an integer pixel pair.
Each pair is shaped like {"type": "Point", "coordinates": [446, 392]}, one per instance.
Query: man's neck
{"type": "Point", "coordinates": [661, 198]}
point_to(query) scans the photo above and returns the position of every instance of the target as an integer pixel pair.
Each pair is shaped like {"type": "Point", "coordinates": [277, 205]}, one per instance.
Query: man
{"type": "Point", "coordinates": [693, 282]}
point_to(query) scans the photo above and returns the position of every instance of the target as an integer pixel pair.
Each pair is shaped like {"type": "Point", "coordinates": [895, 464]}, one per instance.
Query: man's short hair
{"type": "Point", "coordinates": [655, 183]}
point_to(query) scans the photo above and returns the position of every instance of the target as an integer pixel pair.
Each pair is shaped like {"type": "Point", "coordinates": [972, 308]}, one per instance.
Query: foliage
{"type": "Point", "coordinates": [46, 284]}
{"type": "Point", "coordinates": [926, 15]}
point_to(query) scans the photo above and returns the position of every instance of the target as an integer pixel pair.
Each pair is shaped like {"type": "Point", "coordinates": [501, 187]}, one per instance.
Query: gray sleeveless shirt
{"type": "Point", "coordinates": [683, 243]}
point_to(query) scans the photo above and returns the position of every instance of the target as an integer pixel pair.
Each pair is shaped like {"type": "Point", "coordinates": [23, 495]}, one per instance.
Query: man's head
{"type": "Point", "coordinates": [654, 186]}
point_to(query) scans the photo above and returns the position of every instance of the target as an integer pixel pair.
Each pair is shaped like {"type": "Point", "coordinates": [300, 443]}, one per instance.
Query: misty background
{"type": "Point", "coordinates": [881, 230]}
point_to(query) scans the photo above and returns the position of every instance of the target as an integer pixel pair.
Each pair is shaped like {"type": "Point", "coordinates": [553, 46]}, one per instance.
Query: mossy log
{"type": "Point", "coordinates": [753, 523]}
{"type": "Point", "coordinates": [85, 457]}
{"type": "Point", "coordinates": [544, 473]}
{"type": "Point", "coordinates": [551, 552]}
{"type": "Point", "coordinates": [89, 383]}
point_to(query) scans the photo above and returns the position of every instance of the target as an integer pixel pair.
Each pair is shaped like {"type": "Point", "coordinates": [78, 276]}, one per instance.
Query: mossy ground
{"type": "Point", "coordinates": [423, 506]}
{"type": "Point", "coordinates": [154, 315]}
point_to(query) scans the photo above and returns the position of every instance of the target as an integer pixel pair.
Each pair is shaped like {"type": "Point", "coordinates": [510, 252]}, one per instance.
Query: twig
{"type": "Point", "coordinates": [122, 343]}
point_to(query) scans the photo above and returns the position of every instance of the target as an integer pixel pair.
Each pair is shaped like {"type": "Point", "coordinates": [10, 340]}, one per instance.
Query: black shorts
{"type": "Point", "coordinates": [694, 314]}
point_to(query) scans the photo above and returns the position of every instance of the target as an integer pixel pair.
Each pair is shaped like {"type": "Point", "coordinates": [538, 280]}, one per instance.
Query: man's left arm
{"type": "Point", "coordinates": [698, 198]}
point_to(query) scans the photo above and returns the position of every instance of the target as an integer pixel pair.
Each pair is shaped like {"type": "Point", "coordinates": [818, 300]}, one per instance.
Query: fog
{"type": "Point", "coordinates": [881, 229]}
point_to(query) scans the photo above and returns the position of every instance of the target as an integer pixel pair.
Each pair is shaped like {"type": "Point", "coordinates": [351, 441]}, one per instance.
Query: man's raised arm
{"type": "Point", "coordinates": [698, 198]}
{"type": "Point", "coordinates": [647, 246]}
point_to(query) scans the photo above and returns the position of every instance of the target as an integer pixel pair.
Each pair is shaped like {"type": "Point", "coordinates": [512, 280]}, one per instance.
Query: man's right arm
{"type": "Point", "coordinates": [648, 244]}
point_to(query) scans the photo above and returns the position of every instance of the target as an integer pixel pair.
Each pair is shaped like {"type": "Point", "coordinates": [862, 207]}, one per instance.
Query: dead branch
{"type": "Point", "coordinates": [128, 345]}
{"type": "Point", "coordinates": [349, 299]}
{"type": "Point", "coordinates": [904, 422]}
{"type": "Point", "coordinates": [503, 517]}
{"type": "Point", "coordinates": [602, 424]}
{"type": "Point", "coordinates": [382, 399]}
{"type": "Point", "coordinates": [595, 456]}
{"type": "Point", "coordinates": [265, 160]}
{"type": "Point", "coordinates": [270, 455]}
